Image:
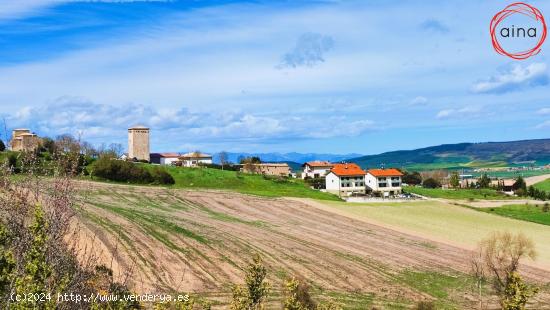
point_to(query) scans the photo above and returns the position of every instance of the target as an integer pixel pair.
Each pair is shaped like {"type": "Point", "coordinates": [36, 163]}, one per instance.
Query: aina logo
{"type": "Point", "coordinates": [521, 40]}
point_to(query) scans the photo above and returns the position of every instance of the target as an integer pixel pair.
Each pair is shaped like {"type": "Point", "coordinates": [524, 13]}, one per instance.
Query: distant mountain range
{"type": "Point", "coordinates": [293, 157]}
{"type": "Point", "coordinates": [463, 155]}
{"type": "Point", "coordinates": [460, 155]}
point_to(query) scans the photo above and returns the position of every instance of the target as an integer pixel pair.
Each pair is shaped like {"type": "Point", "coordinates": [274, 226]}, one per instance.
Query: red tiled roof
{"type": "Point", "coordinates": [385, 172]}
{"type": "Point", "coordinates": [347, 169]}
{"type": "Point", "coordinates": [318, 163]}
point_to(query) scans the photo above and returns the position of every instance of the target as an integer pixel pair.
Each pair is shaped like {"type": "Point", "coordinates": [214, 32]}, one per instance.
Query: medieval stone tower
{"type": "Point", "coordinates": [138, 143]}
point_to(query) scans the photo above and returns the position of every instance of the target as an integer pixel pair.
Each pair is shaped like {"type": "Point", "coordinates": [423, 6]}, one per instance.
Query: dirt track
{"type": "Point", "coordinates": [198, 241]}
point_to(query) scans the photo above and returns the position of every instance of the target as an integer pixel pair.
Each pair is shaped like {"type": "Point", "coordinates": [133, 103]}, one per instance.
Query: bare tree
{"type": "Point", "coordinates": [223, 158]}
{"type": "Point", "coordinates": [116, 149]}
{"type": "Point", "coordinates": [498, 257]}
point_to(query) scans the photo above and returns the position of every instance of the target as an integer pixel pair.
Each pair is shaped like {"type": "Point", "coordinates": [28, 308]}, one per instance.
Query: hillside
{"type": "Point", "coordinates": [461, 155]}
{"type": "Point", "coordinates": [197, 241]}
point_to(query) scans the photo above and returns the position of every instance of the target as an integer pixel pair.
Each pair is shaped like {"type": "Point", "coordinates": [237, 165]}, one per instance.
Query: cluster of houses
{"type": "Point", "coordinates": [348, 179]}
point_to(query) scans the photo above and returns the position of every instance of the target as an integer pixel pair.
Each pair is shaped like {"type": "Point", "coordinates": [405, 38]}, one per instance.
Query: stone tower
{"type": "Point", "coordinates": [138, 143]}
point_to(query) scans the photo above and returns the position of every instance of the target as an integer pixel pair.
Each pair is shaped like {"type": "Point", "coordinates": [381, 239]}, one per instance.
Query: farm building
{"type": "Point", "coordinates": [164, 158]}
{"type": "Point", "coordinates": [24, 140]}
{"type": "Point", "coordinates": [316, 169]}
{"type": "Point", "coordinates": [345, 179]}
{"type": "Point", "coordinates": [278, 169]}
{"type": "Point", "coordinates": [194, 159]}
{"type": "Point", "coordinates": [385, 181]}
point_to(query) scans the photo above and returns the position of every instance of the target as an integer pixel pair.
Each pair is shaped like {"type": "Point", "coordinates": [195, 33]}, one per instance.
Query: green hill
{"type": "Point", "coordinates": [464, 155]}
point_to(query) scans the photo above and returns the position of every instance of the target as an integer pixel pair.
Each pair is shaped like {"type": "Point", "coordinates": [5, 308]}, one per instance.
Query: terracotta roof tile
{"type": "Point", "coordinates": [318, 163]}
{"type": "Point", "coordinates": [385, 172]}
{"type": "Point", "coordinates": [347, 169]}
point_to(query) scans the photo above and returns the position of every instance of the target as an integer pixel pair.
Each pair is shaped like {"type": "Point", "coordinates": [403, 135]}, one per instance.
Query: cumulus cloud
{"type": "Point", "coordinates": [309, 51]}
{"type": "Point", "coordinates": [434, 25]}
{"type": "Point", "coordinates": [419, 100]}
{"type": "Point", "coordinates": [108, 123]}
{"type": "Point", "coordinates": [458, 113]}
{"type": "Point", "coordinates": [514, 78]}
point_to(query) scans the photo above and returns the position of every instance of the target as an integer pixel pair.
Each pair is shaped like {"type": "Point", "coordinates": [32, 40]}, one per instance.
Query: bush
{"type": "Point", "coordinates": [161, 176]}
{"type": "Point", "coordinates": [425, 305]}
{"type": "Point", "coordinates": [431, 183]}
{"type": "Point", "coordinates": [122, 171]}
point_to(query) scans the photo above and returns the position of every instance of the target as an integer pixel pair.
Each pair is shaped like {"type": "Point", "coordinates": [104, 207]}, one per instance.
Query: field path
{"type": "Point", "coordinates": [535, 179]}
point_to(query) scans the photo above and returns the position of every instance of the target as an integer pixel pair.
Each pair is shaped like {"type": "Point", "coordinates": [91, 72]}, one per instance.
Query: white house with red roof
{"type": "Point", "coordinates": [345, 179]}
{"type": "Point", "coordinates": [385, 181]}
{"type": "Point", "coordinates": [164, 158]}
{"type": "Point", "coordinates": [316, 169]}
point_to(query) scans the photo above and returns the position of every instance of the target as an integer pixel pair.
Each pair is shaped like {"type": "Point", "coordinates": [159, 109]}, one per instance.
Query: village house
{"type": "Point", "coordinates": [384, 181]}
{"type": "Point", "coordinates": [277, 169]}
{"type": "Point", "coordinates": [24, 140]}
{"type": "Point", "coordinates": [316, 169]}
{"type": "Point", "coordinates": [345, 180]}
{"type": "Point", "coordinates": [164, 158]}
{"type": "Point", "coordinates": [195, 159]}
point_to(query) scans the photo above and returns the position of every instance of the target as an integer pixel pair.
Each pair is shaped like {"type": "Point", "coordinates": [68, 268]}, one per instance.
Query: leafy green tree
{"type": "Point", "coordinates": [2, 146]}
{"type": "Point", "coordinates": [520, 185]}
{"type": "Point", "coordinates": [252, 295]}
{"type": "Point", "coordinates": [454, 180]}
{"type": "Point", "coordinates": [412, 178]}
{"type": "Point", "coordinates": [484, 181]}
{"type": "Point", "coordinates": [431, 183]}
{"type": "Point", "coordinates": [516, 293]}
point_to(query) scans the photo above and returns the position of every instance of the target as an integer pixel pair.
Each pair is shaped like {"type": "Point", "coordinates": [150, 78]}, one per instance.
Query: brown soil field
{"type": "Point", "coordinates": [168, 240]}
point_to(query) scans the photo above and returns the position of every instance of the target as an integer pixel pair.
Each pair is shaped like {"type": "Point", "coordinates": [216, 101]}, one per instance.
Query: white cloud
{"type": "Point", "coordinates": [108, 123]}
{"type": "Point", "coordinates": [514, 78]}
{"type": "Point", "coordinates": [544, 111]}
{"type": "Point", "coordinates": [419, 100]}
{"type": "Point", "coordinates": [458, 113]}
{"type": "Point", "coordinates": [543, 125]}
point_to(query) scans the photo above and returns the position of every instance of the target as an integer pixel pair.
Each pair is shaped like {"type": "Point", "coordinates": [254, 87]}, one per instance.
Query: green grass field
{"type": "Point", "coordinates": [530, 213]}
{"type": "Point", "coordinates": [544, 185]}
{"type": "Point", "coordinates": [207, 178]}
{"type": "Point", "coordinates": [512, 174]}
{"type": "Point", "coordinates": [480, 194]}
{"type": "Point", "coordinates": [445, 222]}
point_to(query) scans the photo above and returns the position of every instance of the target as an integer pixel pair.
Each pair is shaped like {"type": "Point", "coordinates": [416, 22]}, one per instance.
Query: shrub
{"type": "Point", "coordinates": [161, 176]}
{"type": "Point", "coordinates": [297, 295]}
{"type": "Point", "coordinates": [431, 183]}
{"type": "Point", "coordinates": [122, 171]}
{"type": "Point", "coordinates": [252, 295]}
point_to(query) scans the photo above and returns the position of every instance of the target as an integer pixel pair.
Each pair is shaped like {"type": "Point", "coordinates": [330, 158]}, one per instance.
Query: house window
{"type": "Point", "coordinates": [382, 184]}
{"type": "Point", "coordinates": [396, 184]}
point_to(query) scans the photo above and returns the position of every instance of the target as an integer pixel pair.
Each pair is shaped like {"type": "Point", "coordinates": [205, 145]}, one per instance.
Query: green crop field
{"type": "Point", "coordinates": [527, 212]}
{"type": "Point", "coordinates": [445, 222]}
{"type": "Point", "coordinates": [512, 174]}
{"type": "Point", "coordinates": [482, 194]}
{"type": "Point", "coordinates": [544, 185]}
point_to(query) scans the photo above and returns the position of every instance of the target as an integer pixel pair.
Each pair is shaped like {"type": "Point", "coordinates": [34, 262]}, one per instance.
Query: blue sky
{"type": "Point", "coordinates": [269, 76]}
